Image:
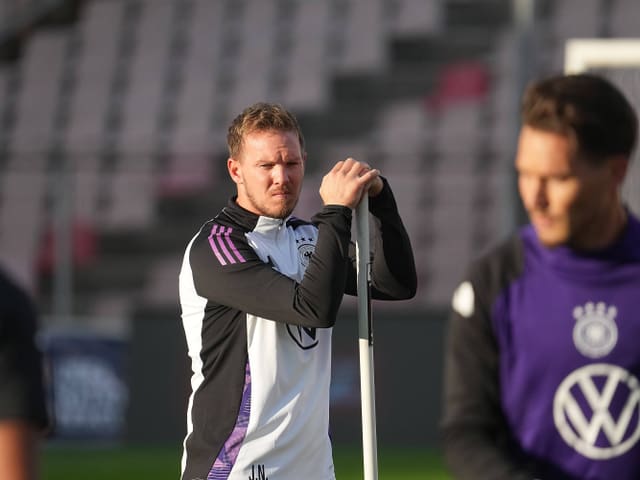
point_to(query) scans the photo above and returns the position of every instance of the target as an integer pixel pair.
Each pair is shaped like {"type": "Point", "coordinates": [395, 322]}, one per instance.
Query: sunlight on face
{"type": "Point", "coordinates": [268, 172]}
{"type": "Point", "coordinates": [567, 198]}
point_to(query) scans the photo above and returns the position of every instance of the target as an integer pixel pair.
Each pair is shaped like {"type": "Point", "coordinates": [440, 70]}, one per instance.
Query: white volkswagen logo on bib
{"type": "Point", "coordinates": [594, 431]}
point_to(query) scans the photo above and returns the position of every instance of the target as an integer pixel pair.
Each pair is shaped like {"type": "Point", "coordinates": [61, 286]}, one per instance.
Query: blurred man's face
{"type": "Point", "coordinates": [569, 200]}
{"type": "Point", "coordinates": [268, 173]}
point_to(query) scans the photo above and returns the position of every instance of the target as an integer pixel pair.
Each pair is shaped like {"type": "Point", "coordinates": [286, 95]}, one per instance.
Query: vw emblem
{"type": "Point", "coordinates": [582, 411]}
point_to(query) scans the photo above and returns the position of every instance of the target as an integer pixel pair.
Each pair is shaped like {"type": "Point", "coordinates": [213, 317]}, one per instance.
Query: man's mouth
{"type": "Point", "coordinates": [542, 220]}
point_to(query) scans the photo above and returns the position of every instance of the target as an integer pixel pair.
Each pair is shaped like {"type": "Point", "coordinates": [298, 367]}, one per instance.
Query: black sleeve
{"type": "Point", "coordinates": [393, 270]}
{"type": "Point", "coordinates": [254, 287]}
{"type": "Point", "coordinates": [21, 379]}
{"type": "Point", "coordinates": [477, 441]}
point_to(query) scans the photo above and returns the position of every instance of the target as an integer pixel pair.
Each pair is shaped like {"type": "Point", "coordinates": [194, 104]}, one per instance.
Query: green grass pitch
{"type": "Point", "coordinates": [162, 463]}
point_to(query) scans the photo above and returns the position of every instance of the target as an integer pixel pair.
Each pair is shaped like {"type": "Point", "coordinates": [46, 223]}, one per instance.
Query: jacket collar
{"type": "Point", "coordinates": [249, 220]}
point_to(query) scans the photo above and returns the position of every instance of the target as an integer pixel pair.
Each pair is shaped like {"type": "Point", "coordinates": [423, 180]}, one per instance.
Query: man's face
{"type": "Point", "coordinates": [568, 199]}
{"type": "Point", "coordinates": [268, 172]}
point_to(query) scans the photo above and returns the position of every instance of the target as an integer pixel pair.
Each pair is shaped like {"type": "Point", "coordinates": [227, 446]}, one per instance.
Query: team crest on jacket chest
{"type": "Point", "coordinates": [306, 248]}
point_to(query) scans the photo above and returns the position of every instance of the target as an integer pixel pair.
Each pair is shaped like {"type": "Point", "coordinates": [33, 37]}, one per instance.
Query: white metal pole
{"type": "Point", "coordinates": [365, 334]}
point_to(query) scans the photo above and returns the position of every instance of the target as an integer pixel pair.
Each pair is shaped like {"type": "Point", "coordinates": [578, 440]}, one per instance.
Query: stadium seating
{"type": "Point", "coordinates": [133, 98]}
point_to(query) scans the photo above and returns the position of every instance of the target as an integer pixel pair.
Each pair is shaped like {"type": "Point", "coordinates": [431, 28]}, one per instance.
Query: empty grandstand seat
{"type": "Point", "coordinates": [187, 174]}
{"type": "Point", "coordinates": [416, 17]}
{"type": "Point", "coordinates": [408, 189]}
{"type": "Point", "coordinates": [98, 33]}
{"type": "Point", "coordinates": [38, 97]}
{"type": "Point", "coordinates": [364, 41]}
{"type": "Point", "coordinates": [576, 19]}
{"type": "Point", "coordinates": [457, 131]}
{"type": "Point", "coordinates": [624, 18]}
{"type": "Point", "coordinates": [306, 71]}
{"type": "Point", "coordinates": [130, 204]}
{"type": "Point", "coordinates": [162, 286]}
{"type": "Point", "coordinates": [401, 135]}
{"type": "Point", "coordinates": [143, 97]}
{"type": "Point", "coordinates": [21, 218]}
{"type": "Point", "coordinates": [257, 55]}
{"type": "Point", "coordinates": [196, 95]}
{"type": "Point", "coordinates": [87, 185]}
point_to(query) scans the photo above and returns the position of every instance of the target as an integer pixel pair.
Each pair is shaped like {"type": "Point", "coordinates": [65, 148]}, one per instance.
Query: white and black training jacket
{"type": "Point", "coordinates": [259, 297]}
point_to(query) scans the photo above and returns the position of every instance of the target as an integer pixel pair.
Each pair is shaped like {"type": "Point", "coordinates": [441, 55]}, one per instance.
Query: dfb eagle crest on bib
{"type": "Point", "coordinates": [595, 333]}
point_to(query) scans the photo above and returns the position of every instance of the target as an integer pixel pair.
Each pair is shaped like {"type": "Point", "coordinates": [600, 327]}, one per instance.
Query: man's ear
{"type": "Point", "coordinates": [233, 166]}
{"type": "Point", "coordinates": [618, 166]}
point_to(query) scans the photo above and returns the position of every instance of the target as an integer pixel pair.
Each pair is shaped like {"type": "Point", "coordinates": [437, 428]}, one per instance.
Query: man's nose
{"type": "Point", "coordinates": [540, 198]}
{"type": "Point", "coordinates": [280, 175]}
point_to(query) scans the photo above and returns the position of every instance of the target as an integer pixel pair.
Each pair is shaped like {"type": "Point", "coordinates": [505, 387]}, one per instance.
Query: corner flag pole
{"type": "Point", "coordinates": [365, 334]}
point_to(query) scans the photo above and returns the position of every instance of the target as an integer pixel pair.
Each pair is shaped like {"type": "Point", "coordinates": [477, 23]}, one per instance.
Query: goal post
{"type": "Point", "coordinates": [618, 59]}
{"type": "Point", "coordinates": [581, 54]}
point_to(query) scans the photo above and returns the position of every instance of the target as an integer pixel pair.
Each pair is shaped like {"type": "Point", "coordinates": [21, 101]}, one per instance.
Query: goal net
{"type": "Point", "coordinates": [619, 61]}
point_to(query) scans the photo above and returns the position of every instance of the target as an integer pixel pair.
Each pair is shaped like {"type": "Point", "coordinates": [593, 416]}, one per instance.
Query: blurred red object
{"type": "Point", "coordinates": [84, 247]}
{"type": "Point", "coordinates": [459, 82]}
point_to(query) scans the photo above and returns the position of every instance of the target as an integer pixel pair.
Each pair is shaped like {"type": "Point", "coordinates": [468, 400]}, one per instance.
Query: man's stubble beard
{"type": "Point", "coordinates": [283, 212]}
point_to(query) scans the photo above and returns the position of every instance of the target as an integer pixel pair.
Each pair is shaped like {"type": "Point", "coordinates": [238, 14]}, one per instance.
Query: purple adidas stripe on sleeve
{"type": "Point", "coordinates": [219, 239]}
{"type": "Point", "coordinates": [232, 246]}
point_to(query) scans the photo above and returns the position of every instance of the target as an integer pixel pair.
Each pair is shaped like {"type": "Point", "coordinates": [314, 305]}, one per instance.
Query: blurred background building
{"type": "Point", "coordinates": [113, 116]}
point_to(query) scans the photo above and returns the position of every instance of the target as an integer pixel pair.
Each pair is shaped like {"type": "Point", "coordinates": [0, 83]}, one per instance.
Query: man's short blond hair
{"type": "Point", "coordinates": [261, 117]}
